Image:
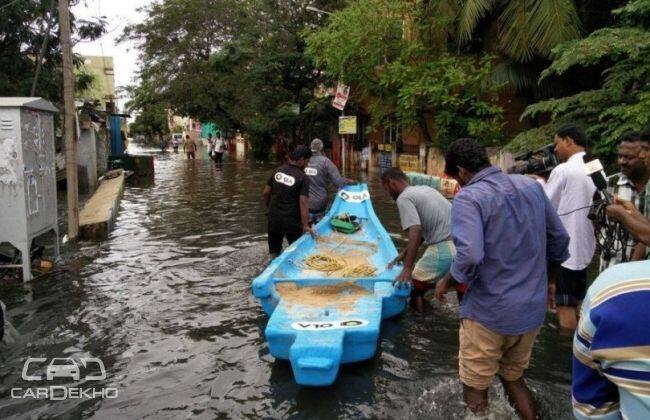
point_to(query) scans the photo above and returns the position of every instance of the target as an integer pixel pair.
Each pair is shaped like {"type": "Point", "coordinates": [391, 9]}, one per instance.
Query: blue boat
{"type": "Point", "coordinates": [319, 320]}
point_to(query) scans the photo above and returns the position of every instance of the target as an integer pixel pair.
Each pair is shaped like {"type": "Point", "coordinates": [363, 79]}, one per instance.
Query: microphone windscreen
{"type": "Point", "coordinates": [599, 180]}
{"type": "Point", "coordinates": [594, 169]}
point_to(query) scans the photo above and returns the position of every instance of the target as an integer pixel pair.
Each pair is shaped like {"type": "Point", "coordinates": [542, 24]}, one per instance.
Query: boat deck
{"type": "Point", "coordinates": [328, 314]}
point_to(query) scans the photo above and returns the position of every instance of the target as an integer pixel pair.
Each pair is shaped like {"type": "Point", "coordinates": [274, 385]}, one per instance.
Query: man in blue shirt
{"type": "Point", "coordinates": [505, 231]}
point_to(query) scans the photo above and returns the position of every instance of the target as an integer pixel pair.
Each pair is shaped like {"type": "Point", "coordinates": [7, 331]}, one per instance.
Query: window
{"type": "Point", "coordinates": [393, 135]}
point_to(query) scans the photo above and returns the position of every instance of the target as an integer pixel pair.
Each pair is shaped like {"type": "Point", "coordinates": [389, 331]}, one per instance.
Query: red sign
{"type": "Point", "coordinates": [341, 97]}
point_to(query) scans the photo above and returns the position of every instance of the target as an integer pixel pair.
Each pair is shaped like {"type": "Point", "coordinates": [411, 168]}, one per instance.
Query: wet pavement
{"type": "Point", "coordinates": [166, 305]}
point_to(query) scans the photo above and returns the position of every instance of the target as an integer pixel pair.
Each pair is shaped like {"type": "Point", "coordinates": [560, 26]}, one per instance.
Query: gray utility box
{"type": "Point", "coordinates": [27, 174]}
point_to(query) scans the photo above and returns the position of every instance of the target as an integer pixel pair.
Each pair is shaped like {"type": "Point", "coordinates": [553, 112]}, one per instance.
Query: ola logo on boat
{"type": "Point", "coordinates": [328, 325]}
{"type": "Point", "coordinates": [354, 197]}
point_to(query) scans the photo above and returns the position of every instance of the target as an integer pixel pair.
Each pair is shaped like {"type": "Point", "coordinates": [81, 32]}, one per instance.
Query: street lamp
{"type": "Point", "coordinates": [317, 10]}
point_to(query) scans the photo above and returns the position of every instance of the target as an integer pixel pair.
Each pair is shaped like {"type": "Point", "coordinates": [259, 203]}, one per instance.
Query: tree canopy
{"type": "Point", "coordinates": [397, 57]}
{"type": "Point", "coordinates": [522, 34]}
{"type": "Point", "coordinates": [262, 66]}
{"type": "Point", "coordinates": [524, 28]}
{"type": "Point", "coordinates": [621, 100]}
{"type": "Point", "coordinates": [23, 27]}
{"type": "Point", "coordinates": [240, 64]}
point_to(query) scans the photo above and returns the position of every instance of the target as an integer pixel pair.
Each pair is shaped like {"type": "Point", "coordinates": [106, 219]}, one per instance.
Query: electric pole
{"type": "Point", "coordinates": [69, 120]}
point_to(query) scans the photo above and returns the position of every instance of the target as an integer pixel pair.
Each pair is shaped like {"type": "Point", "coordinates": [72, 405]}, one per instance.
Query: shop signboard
{"type": "Point", "coordinates": [348, 125]}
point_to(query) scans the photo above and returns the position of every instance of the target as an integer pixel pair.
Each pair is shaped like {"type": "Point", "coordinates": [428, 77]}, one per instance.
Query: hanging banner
{"type": "Point", "coordinates": [341, 97]}
{"type": "Point", "coordinates": [347, 125]}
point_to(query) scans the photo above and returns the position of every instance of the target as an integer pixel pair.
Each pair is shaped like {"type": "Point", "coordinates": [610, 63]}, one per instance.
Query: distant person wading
{"type": "Point", "coordinates": [189, 147]}
{"type": "Point", "coordinates": [218, 147]}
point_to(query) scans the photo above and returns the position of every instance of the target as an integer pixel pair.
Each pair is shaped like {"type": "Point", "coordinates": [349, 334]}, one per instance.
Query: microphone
{"type": "Point", "coordinates": [594, 169]}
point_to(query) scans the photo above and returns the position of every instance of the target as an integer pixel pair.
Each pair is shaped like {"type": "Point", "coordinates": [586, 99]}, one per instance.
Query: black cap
{"type": "Point", "coordinates": [301, 151]}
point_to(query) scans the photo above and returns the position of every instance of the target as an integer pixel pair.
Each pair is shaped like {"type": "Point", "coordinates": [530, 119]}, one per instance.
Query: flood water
{"type": "Point", "coordinates": [166, 304]}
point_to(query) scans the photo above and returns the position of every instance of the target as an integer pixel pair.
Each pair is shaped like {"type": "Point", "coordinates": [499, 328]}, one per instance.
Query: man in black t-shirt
{"type": "Point", "coordinates": [286, 195]}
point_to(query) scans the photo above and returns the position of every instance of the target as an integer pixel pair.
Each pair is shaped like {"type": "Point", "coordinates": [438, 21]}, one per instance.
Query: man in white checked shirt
{"type": "Point", "coordinates": [629, 185]}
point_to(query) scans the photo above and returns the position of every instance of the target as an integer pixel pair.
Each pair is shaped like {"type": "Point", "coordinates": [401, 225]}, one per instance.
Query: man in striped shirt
{"type": "Point", "coordinates": [611, 347]}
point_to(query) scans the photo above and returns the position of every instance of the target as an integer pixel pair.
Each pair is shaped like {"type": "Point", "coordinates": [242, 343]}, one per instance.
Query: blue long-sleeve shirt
{"type": "Point", "coordinates": [611, 347]}
{"type": "Point", "coordinates": [505, 230]}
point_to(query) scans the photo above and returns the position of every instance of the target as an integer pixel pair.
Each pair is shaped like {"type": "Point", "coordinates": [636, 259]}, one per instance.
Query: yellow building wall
{"type": "Point", "coordinates": [103, 86]}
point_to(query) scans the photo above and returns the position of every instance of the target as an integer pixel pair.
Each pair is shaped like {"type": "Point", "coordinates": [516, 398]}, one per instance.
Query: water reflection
{"type": "Point", "coordinates": [166, 304]}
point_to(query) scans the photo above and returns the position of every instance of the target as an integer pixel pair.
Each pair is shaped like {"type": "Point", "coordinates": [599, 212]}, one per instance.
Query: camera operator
{"type": "Point", "coordinates": [571, 191]}
{"type": "Point", "coordinates": [629, 185]}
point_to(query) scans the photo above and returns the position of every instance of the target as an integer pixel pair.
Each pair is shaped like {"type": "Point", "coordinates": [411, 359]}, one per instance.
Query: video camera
{"type": "Point", "coordinates": [537, 162]}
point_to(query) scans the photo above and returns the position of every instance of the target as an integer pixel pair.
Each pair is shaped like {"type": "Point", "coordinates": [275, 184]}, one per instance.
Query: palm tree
{"type": "Point", "coordinates": [525, 28]}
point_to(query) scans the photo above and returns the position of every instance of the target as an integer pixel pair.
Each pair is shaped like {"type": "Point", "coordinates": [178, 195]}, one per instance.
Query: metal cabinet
{"type": "Point", "coordinates": [28, 205]}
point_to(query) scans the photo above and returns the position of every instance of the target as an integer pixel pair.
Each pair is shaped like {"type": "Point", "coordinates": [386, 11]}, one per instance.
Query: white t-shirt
{"type": "Point", "coordinates": [571, 191]}
{"type": "Point", "coordinates": [219, 145]}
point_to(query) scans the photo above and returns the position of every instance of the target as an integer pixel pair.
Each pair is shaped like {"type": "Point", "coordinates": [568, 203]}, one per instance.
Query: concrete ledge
{"type": "Point", "coordinates": [98, 214]}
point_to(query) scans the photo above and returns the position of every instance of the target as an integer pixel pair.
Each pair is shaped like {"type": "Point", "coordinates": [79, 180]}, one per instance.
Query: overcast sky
{"type": "Point", "coordinates": [118, 14]}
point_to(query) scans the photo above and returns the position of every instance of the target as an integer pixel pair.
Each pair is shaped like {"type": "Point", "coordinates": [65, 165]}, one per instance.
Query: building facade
{"type": "Point", "coordinates": [102, 88]}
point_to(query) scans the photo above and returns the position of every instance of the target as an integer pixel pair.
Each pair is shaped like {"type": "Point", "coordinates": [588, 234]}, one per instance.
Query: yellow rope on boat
{"type": "Point", "coordinates": [330, 264]}
{"type": "Point", "coordinates": [361, 270]}
{"type": "Point", "coordinates": [325, 263]}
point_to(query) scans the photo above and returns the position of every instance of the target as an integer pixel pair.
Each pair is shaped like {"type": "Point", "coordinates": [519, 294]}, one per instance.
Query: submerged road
{"type": "Point", "coordinates": [166, 305]}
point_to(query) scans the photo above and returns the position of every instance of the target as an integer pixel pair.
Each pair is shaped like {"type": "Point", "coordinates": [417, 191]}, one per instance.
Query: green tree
{"type": "Point", "coordinates": [240, 64]}
{"type": "Point", "coordinates": [23, 27]}
{"type": "Point", "coordinates": [525, 28]}
{"type": "Point", "coordinates": [621, 99]}
{"type": "Point", "coordinates": [522, 34]}
{"type": "Point", "coordinates": [396, 56]}
{"type": "Point", "coordinates": [151, 114]}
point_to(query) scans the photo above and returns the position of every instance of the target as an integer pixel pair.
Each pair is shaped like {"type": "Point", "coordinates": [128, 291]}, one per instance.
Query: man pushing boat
{"type": "Point", "coordinates": [322, 172]}
{"type": "Point", "coordinates": [426, 215]}
{"type": "Point", "coordinates": [286, 195]}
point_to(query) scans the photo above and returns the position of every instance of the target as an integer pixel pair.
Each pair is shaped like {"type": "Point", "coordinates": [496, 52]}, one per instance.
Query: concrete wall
{"type": "Point", "coordinates": [436, 160]}
{"type": "Point", "coordinates": [87, 159]}
{"type": "Point", "coordinates": [101, 146]}
{"type": "Point", "coordinates": [240, 147]}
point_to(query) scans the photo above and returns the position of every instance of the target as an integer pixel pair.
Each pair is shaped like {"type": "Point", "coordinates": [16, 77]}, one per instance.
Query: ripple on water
{"type": "Point", "coordinates": [166, 304]}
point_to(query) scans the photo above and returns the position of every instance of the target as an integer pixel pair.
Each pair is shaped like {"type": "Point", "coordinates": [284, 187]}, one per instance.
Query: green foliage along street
{"type": "Point", "coordinates": [620, 100]}
{"type": "Point", "coordinates": [29, 30]}
{"type": "Point", "coordinates": [240, 64]}
{"type": "Point", "coordinates": [449, 68]}
{"type": "Point", "coordinates": [396, 56]}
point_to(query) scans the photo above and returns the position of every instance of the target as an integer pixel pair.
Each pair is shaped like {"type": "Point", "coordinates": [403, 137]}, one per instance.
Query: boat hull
{"type": "Point", "coordinates": [318, 333]}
